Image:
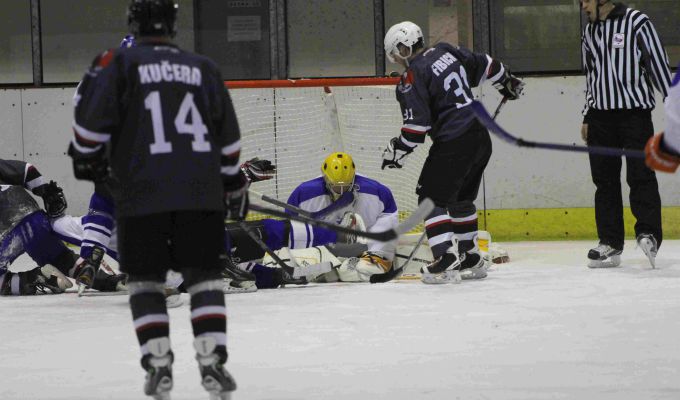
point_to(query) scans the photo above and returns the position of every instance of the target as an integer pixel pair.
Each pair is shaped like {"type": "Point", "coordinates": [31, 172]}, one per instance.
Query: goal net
{"type": "Point", "coordinates": [297, 124]}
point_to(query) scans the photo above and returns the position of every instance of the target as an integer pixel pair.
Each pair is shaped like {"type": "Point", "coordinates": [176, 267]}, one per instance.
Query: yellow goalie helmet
{"type": "Point", "coordinates": [338, 172]}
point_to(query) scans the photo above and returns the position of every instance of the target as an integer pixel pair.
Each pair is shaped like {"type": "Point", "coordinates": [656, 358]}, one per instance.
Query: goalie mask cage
{"type": "Point", "coordinates": [297, 123]}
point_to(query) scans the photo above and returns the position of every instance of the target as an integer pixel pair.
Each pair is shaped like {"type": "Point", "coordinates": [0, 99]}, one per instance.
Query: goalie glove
{"type": "Point", "coordinates": [395, 154]}
{"type": "Point", "coordinates": [376, 259]}
{"type": "Point", "coordinates": [509, 85]}
{"type": "Point", "coordinates": [53, 197]}
{"type": "Point", "coordinates": [258, 170]}
{"type": "Point", "coordinates": [236, 198]}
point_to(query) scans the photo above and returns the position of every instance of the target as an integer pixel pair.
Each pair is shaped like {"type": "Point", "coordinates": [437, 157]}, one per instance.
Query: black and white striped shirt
{"type": "Point", "coordinates": [623, 57]}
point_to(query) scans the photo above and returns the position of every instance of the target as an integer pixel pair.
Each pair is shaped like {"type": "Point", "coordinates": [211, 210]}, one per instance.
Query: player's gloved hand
{"type": "Point", "coordinates": [395, 154]}
{"type": "Point", "coordinates": [89, 167]}
{"type": "Point", "coordinates": [53, 197]}
{"type": "Point", "coordinates": [258, 170]}
{"type": "Point", "coordinates": [509, 85]}
{"type": "Point", "coordinates": [236, 198]}
{"type": "Point", "coordinates": [659, 158]}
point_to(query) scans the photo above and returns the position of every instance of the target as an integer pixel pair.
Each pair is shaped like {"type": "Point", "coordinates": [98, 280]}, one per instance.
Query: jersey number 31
{"type": "Point", "coordinates": [197, 128]}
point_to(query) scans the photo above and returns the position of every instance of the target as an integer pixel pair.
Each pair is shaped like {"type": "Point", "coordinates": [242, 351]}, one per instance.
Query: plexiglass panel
{"type": "Point", "coordinates": [330, 38]}
{"type": "Point", "coordinates": [16, 59]}
{"type": "Point", "coordinates": [537, 35]}
{"type": "Point", "coordinates": [75, 31]}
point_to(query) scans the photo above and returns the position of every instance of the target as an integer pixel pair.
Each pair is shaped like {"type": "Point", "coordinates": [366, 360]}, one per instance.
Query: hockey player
{"type": "Point", "coordinates": [174, 152]}
{"type": "Point", "coordinates": [371, 201]}
{"type": "Point", "coordinates": [25, 227]}
{"type": "Point", "coordinates": [434, 94]}
{"type": "Point", "coordinates": [663, 149]}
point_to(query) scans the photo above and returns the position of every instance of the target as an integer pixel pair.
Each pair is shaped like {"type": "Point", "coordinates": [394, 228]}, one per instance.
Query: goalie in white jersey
{"type": "Point", "coordinates": [351, 200]}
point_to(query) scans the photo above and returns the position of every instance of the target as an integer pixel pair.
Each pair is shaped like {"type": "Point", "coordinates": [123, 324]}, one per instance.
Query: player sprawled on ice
{"type": "Point", "coordinates": [434, 94]}
{"type": "Point", "coordinates": [25, 227]}
{"type": "Point", "coordinates": [164, 122]}
{"type": "Point", "coordinates": [340, 196]}
{"type": "Point", "coordinates": [97, 230]}
{"type": "Point", "coordinates": [663, 149]}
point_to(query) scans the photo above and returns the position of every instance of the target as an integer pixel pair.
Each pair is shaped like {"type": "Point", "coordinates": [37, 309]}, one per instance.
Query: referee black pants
{"type": "Point", "coordinates": [628, 129]}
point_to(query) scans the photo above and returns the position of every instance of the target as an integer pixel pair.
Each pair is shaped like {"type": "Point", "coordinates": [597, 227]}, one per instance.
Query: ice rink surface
{"type": "Point", "coordinates": [540, 327]}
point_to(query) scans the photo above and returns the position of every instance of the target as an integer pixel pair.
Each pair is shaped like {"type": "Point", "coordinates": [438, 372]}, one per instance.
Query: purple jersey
{"type": "Point", "coordinates": [435, 91]}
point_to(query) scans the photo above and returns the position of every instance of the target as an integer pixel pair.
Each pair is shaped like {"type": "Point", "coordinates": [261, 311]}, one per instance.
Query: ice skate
{"type": "Point", "coordinates": [604, 256]}
{"type": "Point", "coordinates": [235, 279]}
{"type": "Point", "coordinates": [442, 270]}
{"type": "Point", "coordinates": [37, 280]}
{"type": "Point", "coordinates": [86, 270]}
{"type": "Point", "coordinates": [158, 365]}
{"type": "Point", "coordinates": [647, 243]}
{"type": "Point", "coordinates": [472, 266]}
{"type": "Point", "coordinates": [214, 378]}
{"type": "Point", "coordinates": [283, 278]}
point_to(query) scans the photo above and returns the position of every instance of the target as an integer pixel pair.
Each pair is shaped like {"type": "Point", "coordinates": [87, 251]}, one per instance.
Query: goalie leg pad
{"type": "Point", "coordinates": [360, 269]}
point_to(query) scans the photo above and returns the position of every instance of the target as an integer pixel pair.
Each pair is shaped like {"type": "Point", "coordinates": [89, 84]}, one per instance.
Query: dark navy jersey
{"type": "Point", "coordinates": [435, 91]}
{"type": "Point", "coordinates": [15, 203]}
{"type": "Point", "coordinates": [174, 138]}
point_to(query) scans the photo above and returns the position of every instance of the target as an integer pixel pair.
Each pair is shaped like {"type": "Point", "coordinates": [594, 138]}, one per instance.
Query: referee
{"type": "Point", "coordinates": [624, 59]}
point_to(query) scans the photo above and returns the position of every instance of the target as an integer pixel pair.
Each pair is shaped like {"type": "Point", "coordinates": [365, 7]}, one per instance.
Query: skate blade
{"type": "Point", "coordinates": [450, 276]}
{"type": "Point", "coordinates": [245, 287]}
{"type": "Point", "coordinates": [473, 273]}
{"type": "Point", "coordinates": [81, 289]}
{"type": "Point", "coordinates": [611, 262]}
{"type": "Point", "coordinates": [214, 389]}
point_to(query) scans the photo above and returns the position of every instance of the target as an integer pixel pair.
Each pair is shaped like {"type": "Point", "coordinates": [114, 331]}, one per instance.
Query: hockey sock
{"type": "Point", "coordinates": [465, 228]}
{"type": "Point", "coordinates": [209, 313]}
{"type": "Point", "coordinates": [439, 231]}
{"type": "Point", "coordinates": [97, 225]}
{"type": "Point", "coordinates": [149, 313]}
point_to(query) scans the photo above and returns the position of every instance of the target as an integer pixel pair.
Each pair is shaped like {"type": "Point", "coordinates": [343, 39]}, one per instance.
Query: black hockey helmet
{"type": "Point", "coordinates": [152, 18]}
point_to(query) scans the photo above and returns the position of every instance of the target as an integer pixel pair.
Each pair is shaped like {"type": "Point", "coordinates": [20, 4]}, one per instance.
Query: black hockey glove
{"type": "Point", "coordinates": [395, 154]}
{"type": "Point", "coordinates": [258, 170]}
{"type": "Point", "coordinates": [53, 197]}
{"type": "Point", "coordinates": [509, 85]}
{"type": "Point", "coordinates": [236, 198]}
{"type": "Point", "coordinates": [89, 167]}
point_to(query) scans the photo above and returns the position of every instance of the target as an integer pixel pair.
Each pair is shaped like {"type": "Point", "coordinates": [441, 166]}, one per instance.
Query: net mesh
{"type": "Point", "coordinates": [296, 128]}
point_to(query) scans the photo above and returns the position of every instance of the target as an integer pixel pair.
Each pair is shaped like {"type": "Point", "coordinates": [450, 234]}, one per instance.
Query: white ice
{"type": "Point", "coordinates": [541, 327]}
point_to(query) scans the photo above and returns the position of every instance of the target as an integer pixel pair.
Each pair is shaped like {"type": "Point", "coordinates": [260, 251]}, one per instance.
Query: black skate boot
{"type": "Point", "coordinates": [647, 243]}
{"type": "Point", "coordinates": [37, 280]}
{"type": "Point", "coordinates": [472, 266]}
{"type": "Point", "coordinates": [158, 366]}
{"type": "Point", "coordinates": [214, 378]}
{"type": "Point", "coordinates": [235, 279]}
{"type": "Point", "coordinates": [283, 278]}
{"type": "Point", "coordinates": [604, 256]}
{"type": "Point", "coordinates": [442, 270]}
{"type": "Point", "coordinates": [86, 270]}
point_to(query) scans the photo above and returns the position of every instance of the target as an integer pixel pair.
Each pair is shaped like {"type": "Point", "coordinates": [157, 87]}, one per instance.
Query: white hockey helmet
{"type": "Point", "coordinates": [406, 33]}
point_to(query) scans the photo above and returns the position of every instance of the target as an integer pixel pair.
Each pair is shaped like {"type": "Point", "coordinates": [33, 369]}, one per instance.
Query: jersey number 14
{"type": "Point", "coordinates": [187, 109]}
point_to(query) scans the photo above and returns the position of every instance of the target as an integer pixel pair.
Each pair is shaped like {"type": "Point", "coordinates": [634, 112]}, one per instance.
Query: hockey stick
{"type": "Point", "coordinates": [414, 219]}
{"type": "Point", "coordinates": [486, 120]}
{"type": "Point", "coordinates": [395, 273]}
{"type": "Point", "coordinates": [343, 201]}
{"type": "Point", "coordinates": [295, 272]}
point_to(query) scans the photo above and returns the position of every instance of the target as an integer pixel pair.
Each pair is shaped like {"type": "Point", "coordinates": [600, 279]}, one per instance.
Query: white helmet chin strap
{"type": "Point", "coordinates": [404, 58]}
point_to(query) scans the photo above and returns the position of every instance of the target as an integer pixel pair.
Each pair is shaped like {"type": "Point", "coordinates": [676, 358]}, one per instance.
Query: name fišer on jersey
{"type": "Point", "coordinates": [165, 71]}
{"type": "Point", "coordinates": [442, 63]}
